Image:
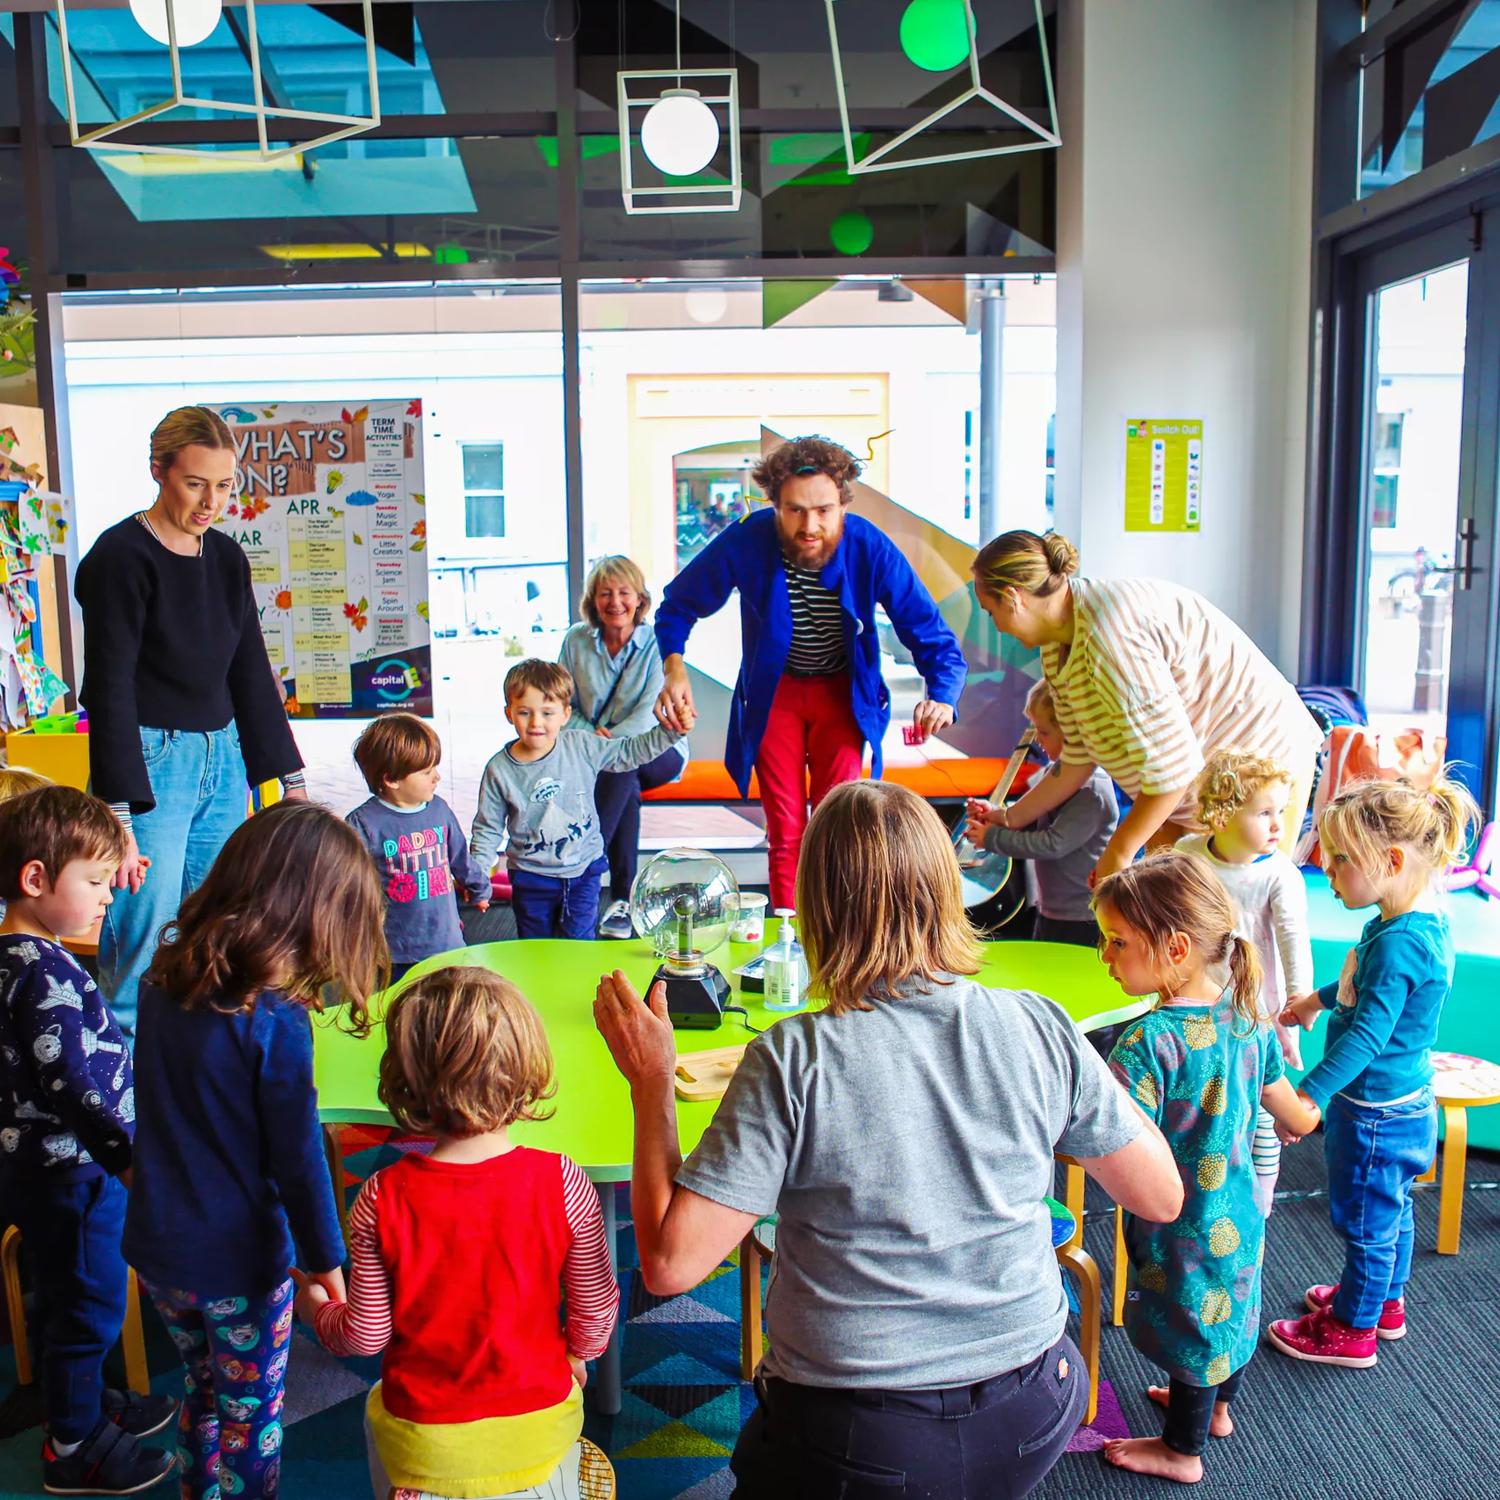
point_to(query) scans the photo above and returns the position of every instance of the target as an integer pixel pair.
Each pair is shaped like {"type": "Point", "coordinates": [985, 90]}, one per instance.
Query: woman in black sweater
{"type": "Point", "coordinates": [184, 709]}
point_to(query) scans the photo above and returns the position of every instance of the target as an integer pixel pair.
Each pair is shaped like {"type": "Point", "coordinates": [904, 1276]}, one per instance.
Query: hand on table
{"type": "Point", "coordinates": [639, 1037]}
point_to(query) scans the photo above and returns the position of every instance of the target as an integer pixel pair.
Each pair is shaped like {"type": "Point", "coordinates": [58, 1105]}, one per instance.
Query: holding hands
{"type": "Point", "coordinates": [315, 1290]}
{"type": "Point", "coordinates": [1301, 1010]}
{"type": "Point", "coordinates": [981, 817]}
{"type": "Point", "coordinates": [674, 704]}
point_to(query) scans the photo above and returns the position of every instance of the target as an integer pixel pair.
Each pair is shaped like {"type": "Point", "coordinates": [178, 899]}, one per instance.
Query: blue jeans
{"type": "Point", "coordinates": [235, 1350]}
{"type": "Point", "coordinates": [549, 906]}
{"type": "Point", "coordinates": [199, 784]}
{"type": "Point", "coordinates": [70, 1232]}
{"type": "Point", "coordinates": [1374, 1153]}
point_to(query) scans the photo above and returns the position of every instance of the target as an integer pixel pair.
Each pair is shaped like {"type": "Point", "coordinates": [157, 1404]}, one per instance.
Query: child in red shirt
{"type": "Point", "coordinates": [461, 1259]}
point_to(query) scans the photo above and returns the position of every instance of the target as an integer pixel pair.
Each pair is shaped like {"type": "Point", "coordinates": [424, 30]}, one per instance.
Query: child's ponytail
{"type": "Point", "coordinates": [1245, 977]}
{"type": "Point", "coordinates": [1365, 822]}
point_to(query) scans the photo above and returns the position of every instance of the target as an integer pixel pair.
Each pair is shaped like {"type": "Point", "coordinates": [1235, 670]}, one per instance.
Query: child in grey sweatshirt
{"type": "Point", "coordinates": [536, 801]}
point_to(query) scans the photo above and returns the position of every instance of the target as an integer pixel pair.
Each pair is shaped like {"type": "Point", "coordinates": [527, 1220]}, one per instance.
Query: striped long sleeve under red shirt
{"type": "Point", "coordinates": [459, 1272]}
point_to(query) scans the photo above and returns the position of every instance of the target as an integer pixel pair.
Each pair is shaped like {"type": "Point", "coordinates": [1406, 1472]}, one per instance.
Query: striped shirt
{"type": "Point", "coordinates": [1156, 679]}
{"type": "Point", "coordinates": [817, 625]}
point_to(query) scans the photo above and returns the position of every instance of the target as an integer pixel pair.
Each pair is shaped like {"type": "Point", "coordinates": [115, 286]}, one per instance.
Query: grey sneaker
{"type": "Point", "coordinates": [615, 923]}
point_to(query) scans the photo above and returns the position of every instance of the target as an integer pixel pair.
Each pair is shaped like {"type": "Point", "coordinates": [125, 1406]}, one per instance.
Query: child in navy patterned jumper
{"type": "Point", "coordinates": [229, 1166]}
{"type": "Point", "coordinates": [67, 1113]}
{"type": "Point", "coordinates": [1201, 1065]}
{"type": "Point", "coordinates": [415, 840]}
{"type": "Point", "coordinates": [481, 1389]}
{"type": "Point", "coordinates": [1385, 843]}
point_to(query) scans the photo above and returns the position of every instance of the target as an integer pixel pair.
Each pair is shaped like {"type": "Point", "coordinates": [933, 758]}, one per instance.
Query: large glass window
{"type": "Point", "coordinates": [486, 363]}
{"type": "Point", "coordinates": [685, 385]}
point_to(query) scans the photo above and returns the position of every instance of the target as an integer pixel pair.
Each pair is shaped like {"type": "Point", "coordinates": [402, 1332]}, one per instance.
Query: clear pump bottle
{"type": "Point", "coordinates": [786, 968]}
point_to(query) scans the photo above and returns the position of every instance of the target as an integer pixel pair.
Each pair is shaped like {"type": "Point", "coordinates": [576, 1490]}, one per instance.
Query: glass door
{"type": "Point", "coordinates": [1427, 481]}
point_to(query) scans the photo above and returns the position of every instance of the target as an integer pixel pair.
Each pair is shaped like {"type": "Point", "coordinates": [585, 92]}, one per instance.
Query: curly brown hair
{"type": "Point", "coordinates": [293, 903]}
{"type": "Point", "coordinates": [807, 455]}
{"type": "Point", "coordinates": [465, 1053]}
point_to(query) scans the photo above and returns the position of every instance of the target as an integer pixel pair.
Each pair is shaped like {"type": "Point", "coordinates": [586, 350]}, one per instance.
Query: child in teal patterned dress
{"type": "Point", "coordinates": [1201, 1065]}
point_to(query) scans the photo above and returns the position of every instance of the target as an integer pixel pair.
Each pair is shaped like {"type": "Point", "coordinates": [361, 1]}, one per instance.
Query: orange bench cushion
{"type": "Point", "coordinates": [974, 776]}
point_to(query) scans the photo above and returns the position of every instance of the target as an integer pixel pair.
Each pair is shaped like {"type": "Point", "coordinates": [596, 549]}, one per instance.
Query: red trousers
{"type": "Point", "coordinates": [811, 728]}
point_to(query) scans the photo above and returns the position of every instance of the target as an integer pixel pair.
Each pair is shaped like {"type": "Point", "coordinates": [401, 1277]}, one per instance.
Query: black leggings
{"type": "Point", "coordinates": [991, 1441]}
{"type": "Point", "coordinates": [1190, 1408]}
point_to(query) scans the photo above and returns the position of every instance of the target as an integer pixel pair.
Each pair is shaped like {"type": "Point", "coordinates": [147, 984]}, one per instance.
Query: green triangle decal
{"type": "Point", "coordinates": [779, 299]}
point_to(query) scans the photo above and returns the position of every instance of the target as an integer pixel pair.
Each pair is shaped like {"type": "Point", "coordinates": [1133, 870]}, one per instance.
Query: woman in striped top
{"type": "Point", "coordinates": [481, 1389]}
{"type": "Point", "coordinates": [1149, 680]}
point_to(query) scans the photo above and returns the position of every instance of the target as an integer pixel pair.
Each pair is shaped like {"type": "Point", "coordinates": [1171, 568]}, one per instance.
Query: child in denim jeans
{"type": "Point", "coordinates": [1384, 843]}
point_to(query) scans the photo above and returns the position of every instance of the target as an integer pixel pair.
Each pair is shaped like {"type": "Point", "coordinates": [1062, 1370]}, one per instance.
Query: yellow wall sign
{"type": "Point", "coordinates": [1163, 474]}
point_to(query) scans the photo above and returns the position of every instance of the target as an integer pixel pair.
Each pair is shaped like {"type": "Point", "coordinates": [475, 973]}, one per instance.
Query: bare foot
{"type": "Point", "coordinates": [1152, 1456]}
{"type": "Point", "coordinates": [1221, 1424]}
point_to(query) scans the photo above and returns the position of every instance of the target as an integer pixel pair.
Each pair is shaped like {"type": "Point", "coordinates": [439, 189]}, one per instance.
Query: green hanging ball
{"type": "Point", "coordinates": [852, 233]}
{"type": "Point", "coordinates": [935, 34]}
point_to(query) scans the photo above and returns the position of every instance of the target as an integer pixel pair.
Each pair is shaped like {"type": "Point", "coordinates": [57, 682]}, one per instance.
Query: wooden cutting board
{"type": "Point", "coordinates": [705, 1075]}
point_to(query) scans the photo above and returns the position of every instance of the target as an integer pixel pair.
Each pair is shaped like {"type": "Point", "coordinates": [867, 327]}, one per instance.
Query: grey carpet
{"type": "Point", "coordinates": [1424, 1424]}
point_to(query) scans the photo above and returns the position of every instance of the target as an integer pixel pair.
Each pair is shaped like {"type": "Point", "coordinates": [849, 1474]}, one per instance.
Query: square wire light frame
{"type": "Point", "coordinates": [104, 137]}
{"type": "Point", "coordinates": [720, 198]}
{"type": "Point", "coordinates": [875, 161]}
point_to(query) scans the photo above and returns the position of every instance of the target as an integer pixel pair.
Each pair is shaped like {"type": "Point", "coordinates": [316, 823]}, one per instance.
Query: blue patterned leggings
{"type": "Point", "coordinates": [235, 1350]}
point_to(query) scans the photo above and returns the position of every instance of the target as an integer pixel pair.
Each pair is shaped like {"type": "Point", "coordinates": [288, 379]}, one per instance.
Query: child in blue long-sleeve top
{"type": "Point", "coordinates": [230, 1187]}
{"type": "Point", "coordinates": [67, 1113]}
{"type": "Point", "coordinates": [1384, 844]}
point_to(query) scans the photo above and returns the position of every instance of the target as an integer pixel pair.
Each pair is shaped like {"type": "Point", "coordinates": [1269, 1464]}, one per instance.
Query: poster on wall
{"type": "Point", "coordinates": [331, 512]}
{"type": "Point", "coordinates": [1163, 474]}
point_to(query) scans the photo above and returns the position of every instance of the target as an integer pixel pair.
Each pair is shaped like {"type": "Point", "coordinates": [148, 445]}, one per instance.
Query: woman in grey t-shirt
{"type": "Point", "coordinates": [905, 1136]}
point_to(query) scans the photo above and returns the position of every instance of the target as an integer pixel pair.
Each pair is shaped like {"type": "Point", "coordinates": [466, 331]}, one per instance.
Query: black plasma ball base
{"type": "Point", "coordinates": [695, 1002]}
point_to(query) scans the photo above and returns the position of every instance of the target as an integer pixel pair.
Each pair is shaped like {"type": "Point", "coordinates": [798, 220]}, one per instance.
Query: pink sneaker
{"type": "Point", "coordinates": [1392, 1323]}
{"type": "Point", "coordinates": [1320, 1338]}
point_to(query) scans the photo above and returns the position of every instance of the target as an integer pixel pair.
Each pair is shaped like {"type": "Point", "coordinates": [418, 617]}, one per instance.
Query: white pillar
{"type": "Point", "coordinates": [1184, 207]}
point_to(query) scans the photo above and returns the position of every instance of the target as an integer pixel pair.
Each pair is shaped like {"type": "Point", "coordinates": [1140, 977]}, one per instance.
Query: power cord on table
{"type": "Point", "coordinates": [744, 1015]}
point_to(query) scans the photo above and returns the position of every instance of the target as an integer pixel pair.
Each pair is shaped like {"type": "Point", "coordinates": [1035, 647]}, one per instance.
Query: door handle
{"type": "Point", "coordinates": [1463, 570]}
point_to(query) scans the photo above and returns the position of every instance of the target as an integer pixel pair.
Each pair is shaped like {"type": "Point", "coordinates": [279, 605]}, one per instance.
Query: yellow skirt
{"type": "Point", "coordinates": [466, 1460]}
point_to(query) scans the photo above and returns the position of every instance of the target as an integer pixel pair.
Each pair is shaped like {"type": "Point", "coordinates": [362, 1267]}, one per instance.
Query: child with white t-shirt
{"type": "Point", "coordinates": [1242, 800]}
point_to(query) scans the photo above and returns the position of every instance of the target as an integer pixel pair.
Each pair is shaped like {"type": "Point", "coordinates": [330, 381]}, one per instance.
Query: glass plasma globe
{"type": "Point", "coordinates": [682, 903]}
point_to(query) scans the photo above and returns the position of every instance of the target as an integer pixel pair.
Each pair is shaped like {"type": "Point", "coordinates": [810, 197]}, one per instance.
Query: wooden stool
{"type": "Point", "coordinates": [760, 1245]}
{"type": "Point", "coordinates": [756, 1250]}
{"type": "Point", "coordinates": [1067, 1245]}
{"type": "Point", "coordinates": [132, 1333]}
{"type": "Point", "coordinates": [1459, 1082]}
{"type": "Point", "coordinates": [1073, 1182]}
{"type": "Point", "coordinates": [596, 1478]}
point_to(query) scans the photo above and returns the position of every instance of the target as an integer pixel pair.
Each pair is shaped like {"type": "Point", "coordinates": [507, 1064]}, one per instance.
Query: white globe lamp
{"type": "Point", "coordinates": [679, 133]}
{"type": "Point", "coordinates": [682, 900]}
{"type": "Point", "coordinates": [195, 19]}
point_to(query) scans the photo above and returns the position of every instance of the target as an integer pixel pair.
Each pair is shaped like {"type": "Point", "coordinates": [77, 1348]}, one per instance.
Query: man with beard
{"type": "Point", "coordinates": [810, 694]}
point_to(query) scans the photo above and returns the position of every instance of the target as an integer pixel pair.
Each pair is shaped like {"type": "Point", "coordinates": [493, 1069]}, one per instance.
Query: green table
{"type": "Point", "coordinates": [1468, 1021]}
{"type": "Point", "coordinates": [593, 1122]}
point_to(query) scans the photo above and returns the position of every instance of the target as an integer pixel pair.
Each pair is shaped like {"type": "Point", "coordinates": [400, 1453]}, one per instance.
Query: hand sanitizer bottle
{"type": "Point", "coordinates": [786, 968]}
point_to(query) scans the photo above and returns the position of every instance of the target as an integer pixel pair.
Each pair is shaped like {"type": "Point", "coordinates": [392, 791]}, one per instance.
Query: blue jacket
{"type": "Point", "coordinates": [866, 569]}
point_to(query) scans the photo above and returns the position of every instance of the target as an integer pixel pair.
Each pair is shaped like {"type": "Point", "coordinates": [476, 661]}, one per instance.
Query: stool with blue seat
{"type": "Point", "coordinates": [759, 1246]}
